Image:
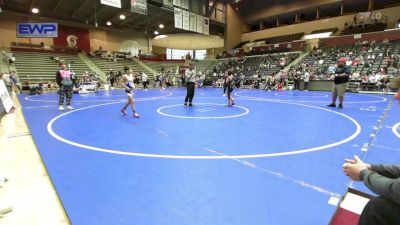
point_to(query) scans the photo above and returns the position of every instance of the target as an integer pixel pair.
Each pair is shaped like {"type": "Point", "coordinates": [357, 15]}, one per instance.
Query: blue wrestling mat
{"type": "Point", "coordinates": [274, 158]}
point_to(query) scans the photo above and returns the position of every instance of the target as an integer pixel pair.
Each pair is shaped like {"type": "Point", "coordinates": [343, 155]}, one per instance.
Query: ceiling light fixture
{"type": "Point", "coordinates": [156, 32]}
{"type": "Point", "coordinates": [122, 16]}
{"type": "Point", "coordinates": [35, 10]}
{"type": "Point", "coordinates": [161, 26]}
{"type": "Point", "coordinates": [109, 23]}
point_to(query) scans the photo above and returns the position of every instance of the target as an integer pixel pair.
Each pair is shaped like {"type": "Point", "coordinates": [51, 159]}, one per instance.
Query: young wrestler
{"type": "Point", "coordinates": [127, 80]}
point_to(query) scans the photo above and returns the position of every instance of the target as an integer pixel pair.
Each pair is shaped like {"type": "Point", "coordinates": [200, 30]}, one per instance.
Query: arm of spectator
{"type": "Point", "coordinates": [382, 185]}
{"type": "Point", "coordinates": [390, 171]}
{"type": "Point", "coordinates": [378, 178]}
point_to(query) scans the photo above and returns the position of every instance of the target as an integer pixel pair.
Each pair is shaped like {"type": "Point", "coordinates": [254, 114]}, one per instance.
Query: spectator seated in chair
{"type": "Point", "coordinates": [36, 89]}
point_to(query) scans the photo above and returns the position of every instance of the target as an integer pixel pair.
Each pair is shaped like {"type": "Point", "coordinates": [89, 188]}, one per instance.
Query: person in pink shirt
{"type": "Point", "coordinates": [64, 81]}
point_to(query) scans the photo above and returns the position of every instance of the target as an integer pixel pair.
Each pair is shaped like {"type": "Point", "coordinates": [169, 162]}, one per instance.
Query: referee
{"type": "Point", "coordinates": [190, 77]}
{"type": "Point", "coordinates": [342, 74]}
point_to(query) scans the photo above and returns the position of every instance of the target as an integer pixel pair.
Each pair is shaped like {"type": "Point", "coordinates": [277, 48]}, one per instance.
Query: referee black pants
{"type": "Point", "coordinates": [189, 91]}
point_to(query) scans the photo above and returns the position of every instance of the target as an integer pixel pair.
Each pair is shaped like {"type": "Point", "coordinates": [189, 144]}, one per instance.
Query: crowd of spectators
{"type": "Point", "coordinates": [248, 71]}
{"type": "Point", "coordinates": [364, 23]}
{"type": "Point", "coordinates": [369, 62]}
{"type": "Point", "coordinates": [111, 55]}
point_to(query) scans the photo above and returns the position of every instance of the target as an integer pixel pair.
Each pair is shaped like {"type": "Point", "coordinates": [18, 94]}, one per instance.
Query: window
{"type": "Point", "coordinates": [178, 54]}
{"type": "Point", "coordinates": [200, 54]}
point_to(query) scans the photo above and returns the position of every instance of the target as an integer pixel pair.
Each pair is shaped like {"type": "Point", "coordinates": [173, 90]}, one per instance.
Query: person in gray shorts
{"type": "Point", "coordinates": [341, 82]}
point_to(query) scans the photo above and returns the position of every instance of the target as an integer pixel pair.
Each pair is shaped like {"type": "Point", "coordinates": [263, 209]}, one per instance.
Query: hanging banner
{"type": "Point", "coordinates": [168, 3]}
{"type": "Point", "coordinates": [193, 21]}
{"type": "Point", "coordinates": [199, 27]}
{"type": "Point", "coordinates": [37, 30]}
{"type": "Point", "coordinates": [178, 17]}
{"type": "Point", "coordinates": [185, 4]}
{"type": "Point", "coordinates": [177, 3]}
{"type": "Point", "coordinates": [113, 3]}
{"type": "Point", "coordinates": [206, 25]}
{"type": "Point", "coordinates": [139, 6]}
{"type": "Point", "coordinates": [185, 20]}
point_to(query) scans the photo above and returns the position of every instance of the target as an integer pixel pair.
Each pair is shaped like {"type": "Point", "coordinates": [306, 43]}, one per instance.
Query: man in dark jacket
{"type": "Point", "coordinates": [384, 180]}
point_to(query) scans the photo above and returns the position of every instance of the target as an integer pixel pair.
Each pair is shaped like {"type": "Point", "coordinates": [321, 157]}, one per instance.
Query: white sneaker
{"type": "Point", "coordinates": [61, 108]}
{"type": "Point", "coordinates": [70, 107]}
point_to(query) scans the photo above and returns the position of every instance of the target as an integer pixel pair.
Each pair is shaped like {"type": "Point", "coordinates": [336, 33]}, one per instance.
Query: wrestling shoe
{"type": "Point", "coordinates": [123, 111]}
{"type": "Point", "coordinates": [340, 106]}
{"type": "Point", "coordinates": [331, 105]}
{"type": "Point", "coordinates": [136, 115]}
{"type": "Point", "coordinates": [70, 107]}
{"type": "Point", "coordinates": [61, 108]}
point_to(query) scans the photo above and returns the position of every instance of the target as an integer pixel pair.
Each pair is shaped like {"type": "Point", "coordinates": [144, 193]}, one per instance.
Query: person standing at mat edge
{"type": "Point", "coordinates": [64, 81]}
{"type": "Point", "coordinates": [127, 80]}
{"type": "Point", "coordinates": [190, 76]}
{"type": "Point", "coordinates": [229, 86]}
{"type": "Point", "coordinates": [341, 82]}
{"type": "Point", "coordinates": [383, 180]}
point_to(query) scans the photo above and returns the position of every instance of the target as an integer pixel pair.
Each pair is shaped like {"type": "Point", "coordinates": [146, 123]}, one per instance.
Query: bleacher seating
{"type": "Point", "coordinates": [282, 39]}
{"type": "Point", "coordinates": [118, 65]}
{"type": "Point", "coordinates": [333, 30]}
{"type": "Point", "coordinates": [167, 66]}
{"type": "Point", "coordinates": [38, 67]}
{"type": "Point", "coordinates": [42, 47]}
{"type": "Point", "coordinates": [248, 70]}
{"type": "Point", "coordinates": [365, 59]}
{"type": "Point", "coordinates": [203, 65]}
{"type": "Point", "coordinates": [267, 64]}
{"type": "Point", "coordinates": [392, 60]}
{"type": "Point", "coordinates": [364, 28]}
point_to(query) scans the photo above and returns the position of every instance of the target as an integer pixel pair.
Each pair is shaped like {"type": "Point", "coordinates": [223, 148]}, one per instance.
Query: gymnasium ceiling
{"type": "Point", "coordinates": [252, 11]}
{"type": "Point", "coordinates": [90, 11]}
{"type": "Point", "coordinates": [255, 11]}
